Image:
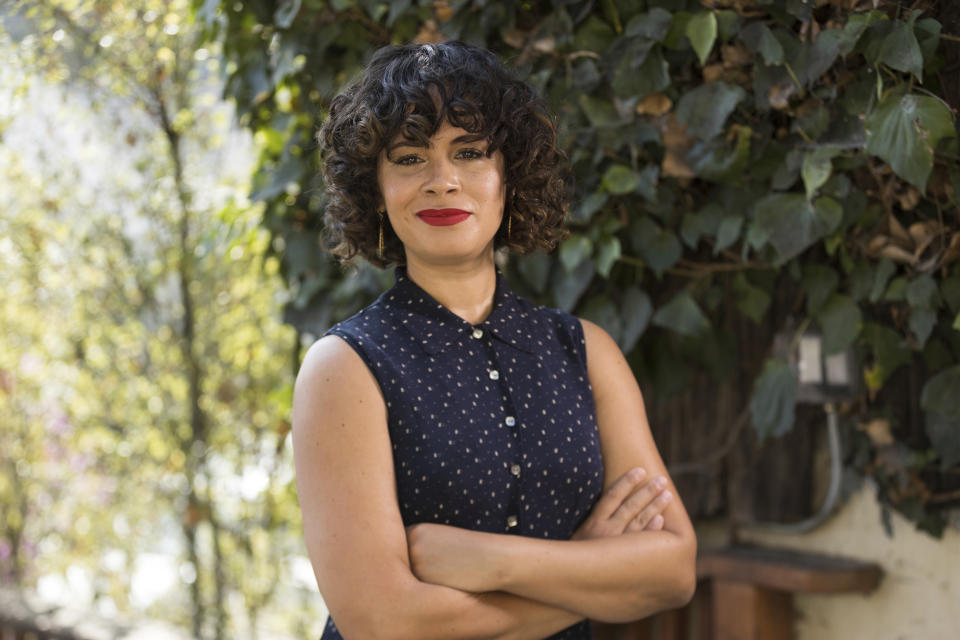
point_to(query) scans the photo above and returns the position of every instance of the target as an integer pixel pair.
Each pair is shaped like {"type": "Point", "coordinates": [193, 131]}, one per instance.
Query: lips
{"type": "Point", "coordinates": [443, 217]}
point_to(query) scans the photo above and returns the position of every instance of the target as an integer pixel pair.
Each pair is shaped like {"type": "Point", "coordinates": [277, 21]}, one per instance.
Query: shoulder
{"type": "Point", "coordinates": [331, 375]}
{"type": "Point", "coordinates": [606, 364]}
{"type": "Point", "coordinates": [557, 320]}
{"type": "Point", "coordinates": [368, 321]}
{"type": "Point", "coordinates": [598, 341]}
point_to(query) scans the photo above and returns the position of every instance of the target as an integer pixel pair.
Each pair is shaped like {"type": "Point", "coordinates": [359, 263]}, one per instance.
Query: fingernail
{"type": "Point", "coordinates": [637, 472]}
{"type": "Point", "coordinates": [666, 496]}
{"type": "Point", "coordinates": [661, 482]}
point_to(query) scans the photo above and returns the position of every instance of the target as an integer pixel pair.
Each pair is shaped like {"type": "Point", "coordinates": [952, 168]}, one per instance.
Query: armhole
{"type": "Point", "coordinates": [580, 340]}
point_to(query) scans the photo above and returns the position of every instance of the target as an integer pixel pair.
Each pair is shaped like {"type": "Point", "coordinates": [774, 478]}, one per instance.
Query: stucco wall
{"type": "Point", "coordinates": [919, 597]}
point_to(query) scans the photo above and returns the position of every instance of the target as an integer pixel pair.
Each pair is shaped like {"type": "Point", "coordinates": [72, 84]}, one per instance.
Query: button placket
{"type": "Point", "coordinates": [510, 420]}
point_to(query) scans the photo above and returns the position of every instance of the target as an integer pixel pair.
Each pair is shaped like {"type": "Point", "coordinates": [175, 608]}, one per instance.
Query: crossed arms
{"type": "Point", "coordinates": [633, 556]}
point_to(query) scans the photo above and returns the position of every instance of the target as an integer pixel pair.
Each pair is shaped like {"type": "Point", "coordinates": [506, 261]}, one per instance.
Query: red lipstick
{"type": "Point", "coordinates": [443, 217]}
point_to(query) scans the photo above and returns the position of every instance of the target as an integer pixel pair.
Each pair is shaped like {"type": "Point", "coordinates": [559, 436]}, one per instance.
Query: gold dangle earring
{"type": "Point", "coordinates": [509, 224]}
{"type": "Point", "coordinates": [380, 236]}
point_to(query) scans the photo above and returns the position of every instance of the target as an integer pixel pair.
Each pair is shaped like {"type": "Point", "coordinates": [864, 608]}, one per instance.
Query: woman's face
{"type": "Point", "coordinates": [445, 202]}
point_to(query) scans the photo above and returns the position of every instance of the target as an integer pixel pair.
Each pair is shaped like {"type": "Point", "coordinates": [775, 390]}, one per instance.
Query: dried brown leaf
{"type": "Point", "coordinates": [897, 254]}
{"type": "Point", "coordinates": [655, 104]}
{"type": "Point", "coordinates": [780, 94]}
{"type": "Point", "coordinates": [879, 432]}
{"type": "Point", "coordinates": [676, 143]}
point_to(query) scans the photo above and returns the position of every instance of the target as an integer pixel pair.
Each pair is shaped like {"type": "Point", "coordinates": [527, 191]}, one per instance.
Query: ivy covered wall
{"type": "Point", "coordinates": [744, 168]}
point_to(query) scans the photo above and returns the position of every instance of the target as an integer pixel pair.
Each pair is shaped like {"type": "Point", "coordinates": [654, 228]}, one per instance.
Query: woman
{"type": "Point", "coordinates": [469, 465]}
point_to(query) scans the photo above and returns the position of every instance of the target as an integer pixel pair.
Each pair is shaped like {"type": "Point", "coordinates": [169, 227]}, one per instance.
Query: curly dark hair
{"type": "Point", "coordinates": [409, 91]}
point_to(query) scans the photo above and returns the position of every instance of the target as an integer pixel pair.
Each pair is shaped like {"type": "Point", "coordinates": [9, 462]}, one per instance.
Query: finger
{"type": "Point", "coordinates": [620, 490]}
{"type": "Point", "coordinates": [637, 524]}
{"type": "Point", "coordinates": [638, 501]}
{"type": "Point", "coordinates": [650, 518]}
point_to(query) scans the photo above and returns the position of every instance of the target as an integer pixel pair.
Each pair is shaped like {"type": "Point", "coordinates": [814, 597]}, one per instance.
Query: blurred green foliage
{"type": "Point", "coordinates": [145, 374]}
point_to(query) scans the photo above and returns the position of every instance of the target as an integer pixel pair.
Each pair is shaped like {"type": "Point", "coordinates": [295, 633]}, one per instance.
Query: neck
{"type": "Point", "coordinates": [466, 289]}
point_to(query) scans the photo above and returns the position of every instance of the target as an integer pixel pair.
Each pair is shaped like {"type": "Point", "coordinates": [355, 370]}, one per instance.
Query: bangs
{"type": "Point", "coordinates": [418, 94]}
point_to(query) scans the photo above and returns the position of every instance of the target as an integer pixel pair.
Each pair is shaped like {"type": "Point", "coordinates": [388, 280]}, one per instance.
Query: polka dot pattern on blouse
{"type": "Point", "coordinates": [492, 425]}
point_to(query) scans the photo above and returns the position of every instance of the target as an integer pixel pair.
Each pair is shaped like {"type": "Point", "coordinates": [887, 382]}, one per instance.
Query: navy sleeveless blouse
{"type": "Point", "coordinates": [492, 425]}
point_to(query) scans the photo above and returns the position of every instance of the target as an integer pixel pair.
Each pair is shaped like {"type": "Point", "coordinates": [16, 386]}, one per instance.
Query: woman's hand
{"type": "Point", "coordinates": [455, 557]}
{"type": "Point", "coordinates": [450, 556]}
{"type": "Point", "coordinates": [628, 505]}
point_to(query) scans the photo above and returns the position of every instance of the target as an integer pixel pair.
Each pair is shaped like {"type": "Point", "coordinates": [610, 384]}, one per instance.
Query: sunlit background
{"type": "Point", "coordinates": [145, 373]}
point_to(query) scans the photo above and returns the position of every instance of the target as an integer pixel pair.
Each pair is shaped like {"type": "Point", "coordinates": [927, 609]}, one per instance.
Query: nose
{"type": "Point", "coordinates": [442, 177]}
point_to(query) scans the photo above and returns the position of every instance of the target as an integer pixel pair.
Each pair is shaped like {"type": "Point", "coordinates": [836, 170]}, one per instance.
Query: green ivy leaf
{"type": "Point", "coordinates": [649, 179]}
{"type": "Point", "coordinates": [659, 247]}
{"type": "Point", "coordinates": [791, 223]}
{"type": "Point", "coordinates": [682, 315]}
{"type": "Point", "coordinates": [856, 25]}
{"type": "Point", "coordinates": [574, 250]}
{"type": "Point", "coordinates": [941, 406]}
{"type": "Point", "coordinates": [956, 322]}
{"type": "Point", "coordinates": [759, 39]}
{"type": "Point", "coordinates": [885, 270]}
{"type": "Point", "coordinates": [607, 254]}
{"type": "Point", "coordinates": [727, 233]}
{"type": "Point", "coordinates": [772, 405]}
{"type": "Point", "coordinates": [888, 351]}
{"type": "Point", "coordinates": [601, 310]}
{"type": "Point", "coordinates": [922, 322]}
{"type": "Point", "coordinates": [568, 286]}
{"type": "Point", "coordinates": [588, 206]}
{"type": "Point", "coordinates": [705, 109]}
{"type": "Point", "coordinates": [752, 301]}
{"type": "Point", "coordinates": [900, 49]}
{"type": "Point", "coordinates": [897, 291]}
{"type": "Point", "coordinates": [700, 223]}
{"type": "Point", "coordinates": [619, 179]}
{"type": "Point", "coordinates": [599, 112]}
{"type": "Point", "coordinates": [839, 320]}
{"type": "Point", "coordinates": [922, 292]}
{"type": "Point", "coordinates": [624, 57]}
{"type": "Point", "coordinates": [702, 32]}
{"type": "Point", "coordinates": [654, 24]}
{"type": "Point", "coordinates": [714, 161]}
{"type": "Point", "coordinates": [636, 311]}
{"type": "Point", "coordinates": [928, 35]}
{"type": "Point", "coordinates": [814, 57]}
{"type": "Point", "coordinates": [729, 23]}
{"type": "Point", "coordinates": [817, 167]}
{"type": "Point", "coordinates": [652, 76]}
{"type": "Point", "coordinates": [904, 130]}
{"type": "Point", "coordinates": [594, 35]}
{"type": "Point", "coordinates": [950, 290]}
{"type": "Point", "coordinates": [819, 281]}
{"type": "Point", "coordinates": [535, 269]}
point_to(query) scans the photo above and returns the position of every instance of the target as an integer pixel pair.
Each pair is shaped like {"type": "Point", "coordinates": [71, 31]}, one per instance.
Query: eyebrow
{"type": "Point", "coordinates": [466, 138]}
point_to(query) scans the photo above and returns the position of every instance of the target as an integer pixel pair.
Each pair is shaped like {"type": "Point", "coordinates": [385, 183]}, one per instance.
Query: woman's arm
{"type": "Point", "coordinates": [352, 526]}
{"type": "Point", "coordinates": [611, 578]}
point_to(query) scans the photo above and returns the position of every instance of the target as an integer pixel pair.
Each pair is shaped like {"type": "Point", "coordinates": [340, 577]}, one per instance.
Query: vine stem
{"type": "Point", "coordinates": [950, 36]}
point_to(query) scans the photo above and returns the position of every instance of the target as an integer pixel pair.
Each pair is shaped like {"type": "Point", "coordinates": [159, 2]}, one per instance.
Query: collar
{"type": "Point", "coordinates": [437, 328]}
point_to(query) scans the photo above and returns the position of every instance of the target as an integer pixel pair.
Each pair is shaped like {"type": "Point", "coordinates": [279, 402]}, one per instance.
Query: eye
{"type": "Point", "coordinates": [470, 153]}
{"type": "Point", "coordinates": [407, 160]}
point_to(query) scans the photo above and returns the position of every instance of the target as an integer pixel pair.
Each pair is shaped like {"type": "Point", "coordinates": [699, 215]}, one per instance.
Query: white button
{"type": "Point", "coordinates": [510, 421]}
{"type": "Point", "coordinates": [478, 333]}
{"type": "Point", "coordinates": [511, 521]}
{"type": "Point", "coordinates": [494, 374]}
{"type": "Point", "coordinates": [515, 470]}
